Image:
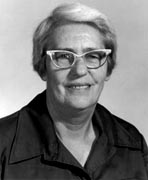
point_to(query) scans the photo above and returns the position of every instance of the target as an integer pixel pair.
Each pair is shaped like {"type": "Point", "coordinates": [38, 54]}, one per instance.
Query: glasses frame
{"type": "Point", "coordinates": [50, 53]}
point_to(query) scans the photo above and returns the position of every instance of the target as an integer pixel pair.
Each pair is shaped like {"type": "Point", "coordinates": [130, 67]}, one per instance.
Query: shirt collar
{"type": "Point", "coordinates": [119, 132]}
{"type": "Point", "coordinates": [35, 133]}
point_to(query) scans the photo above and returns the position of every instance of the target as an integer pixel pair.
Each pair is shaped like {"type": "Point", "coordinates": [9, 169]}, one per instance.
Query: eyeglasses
{"type": "Point", "coordinates": [66, 59]}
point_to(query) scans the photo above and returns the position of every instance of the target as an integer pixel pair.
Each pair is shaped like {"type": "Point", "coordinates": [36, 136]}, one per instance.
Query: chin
{"type": "Point", "coordinates": [81, 104]}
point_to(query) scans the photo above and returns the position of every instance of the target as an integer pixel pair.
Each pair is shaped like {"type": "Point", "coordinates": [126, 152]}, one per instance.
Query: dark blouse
{"type": "Point", "coordinates": [30, 149]}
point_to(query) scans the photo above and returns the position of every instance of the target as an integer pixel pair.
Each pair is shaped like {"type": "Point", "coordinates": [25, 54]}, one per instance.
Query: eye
{"type": "Point", "coordinates": [96, 55]}
{"type": "Point", "coordinates": [93, 55]}
{"type": "Point", "coordinates": [62, 55]}
{"type": "Point", "coordinates": [63, 59]}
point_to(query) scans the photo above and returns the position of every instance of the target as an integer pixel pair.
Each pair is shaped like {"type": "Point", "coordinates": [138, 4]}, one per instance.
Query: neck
{"type": "Point", "coordinates": [81, 132]}
{"type": "Point", "coordinates": [72, 124]}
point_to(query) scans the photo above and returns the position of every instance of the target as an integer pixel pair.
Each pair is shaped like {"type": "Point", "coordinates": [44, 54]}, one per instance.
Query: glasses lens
{"type": "Point", "coordinates": [95, 59]}
{"type": "Point", "coordinates": [63, 59]}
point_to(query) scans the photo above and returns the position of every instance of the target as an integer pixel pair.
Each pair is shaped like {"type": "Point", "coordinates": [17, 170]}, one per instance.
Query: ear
{"type": "Point", "coordinates": [44, 77]}
{"type": "Point", "coordinates": [107, 78]}
{"type": "Point", "coordinates": [44, 73]}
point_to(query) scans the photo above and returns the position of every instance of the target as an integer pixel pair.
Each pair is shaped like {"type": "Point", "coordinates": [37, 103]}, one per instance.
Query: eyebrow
{"type": "Point", "coordinates": [66, 49]}
{"type": "Point", "coordinates": [84, 50]}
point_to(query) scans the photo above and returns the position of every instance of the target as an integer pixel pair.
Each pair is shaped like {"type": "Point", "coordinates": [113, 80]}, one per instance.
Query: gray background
{"type": "Point", "coordinates": [125, 94]}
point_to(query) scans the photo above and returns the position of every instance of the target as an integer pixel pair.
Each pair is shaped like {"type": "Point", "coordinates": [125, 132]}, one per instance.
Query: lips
{"type": "Point", "coordinates": [78, 86]}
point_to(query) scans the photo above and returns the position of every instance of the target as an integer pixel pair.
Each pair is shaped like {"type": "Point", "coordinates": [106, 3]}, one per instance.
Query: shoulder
{"type": "Point", "coordinates": [119, 122]}
{"type": "Point", "coordinates": [8, 126]}
{"type": "Point", "coordinates": [9, 123]}
{"type": "Point", "coordinates": [124, 133]}
{"type": "Point", "coordinates": [126, 126]}
{"type": "Point", "coordinates": [24, 127]}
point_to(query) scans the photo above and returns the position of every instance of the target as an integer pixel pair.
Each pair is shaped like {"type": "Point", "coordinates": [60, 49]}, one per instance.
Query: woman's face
{"type": "Point", "coordinates": [77, 87]}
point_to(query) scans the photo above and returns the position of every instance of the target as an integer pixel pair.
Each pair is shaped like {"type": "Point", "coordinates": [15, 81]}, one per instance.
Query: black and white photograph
{"type": "Point", "coordinates": [73, 90]}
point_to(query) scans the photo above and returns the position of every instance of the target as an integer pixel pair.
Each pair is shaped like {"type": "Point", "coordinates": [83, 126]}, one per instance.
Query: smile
{"type": "Point", "coordinates": [79, 87]}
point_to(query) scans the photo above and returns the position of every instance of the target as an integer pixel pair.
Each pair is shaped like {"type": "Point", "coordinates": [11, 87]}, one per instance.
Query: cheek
{"type": "Point", "coordinates": [99, 75]}
{"type": "Point", "coordinates": [51, 73]}
{"type": "Point", "coordinates": [56, 79]}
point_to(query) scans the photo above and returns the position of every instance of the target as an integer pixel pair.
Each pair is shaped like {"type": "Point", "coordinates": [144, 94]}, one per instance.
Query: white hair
{"type": "Point", "coordinates": [71, 13]}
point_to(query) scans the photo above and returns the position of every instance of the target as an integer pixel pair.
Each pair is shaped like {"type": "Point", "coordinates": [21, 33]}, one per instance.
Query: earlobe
{"type": "Point", "coordinates": [44, 77]}
{"type": "Point", "coordinates": [107, 78]}
{"type": "Point", "coordinates": [44, 74]}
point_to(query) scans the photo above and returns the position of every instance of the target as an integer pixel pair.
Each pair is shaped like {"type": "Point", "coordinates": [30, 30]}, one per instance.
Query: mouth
{"type": "Point", "coordinates": [79, 86]}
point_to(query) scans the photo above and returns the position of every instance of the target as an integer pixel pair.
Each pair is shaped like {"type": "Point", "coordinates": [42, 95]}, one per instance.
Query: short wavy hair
{"type": "Point", "coordinates": [72, 13]}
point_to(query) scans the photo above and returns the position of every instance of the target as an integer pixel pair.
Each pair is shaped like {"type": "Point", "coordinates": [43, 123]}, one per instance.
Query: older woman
{"type": "Point", "coordinates": [64, 133]}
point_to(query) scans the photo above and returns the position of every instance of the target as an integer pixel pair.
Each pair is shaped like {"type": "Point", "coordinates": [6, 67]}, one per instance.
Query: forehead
{"type": "Point", "coordinates": [77, 36]}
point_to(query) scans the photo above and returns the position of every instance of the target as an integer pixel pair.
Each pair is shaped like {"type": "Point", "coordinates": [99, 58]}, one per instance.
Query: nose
{"type": "Point", "coordinates": [79, 68]}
